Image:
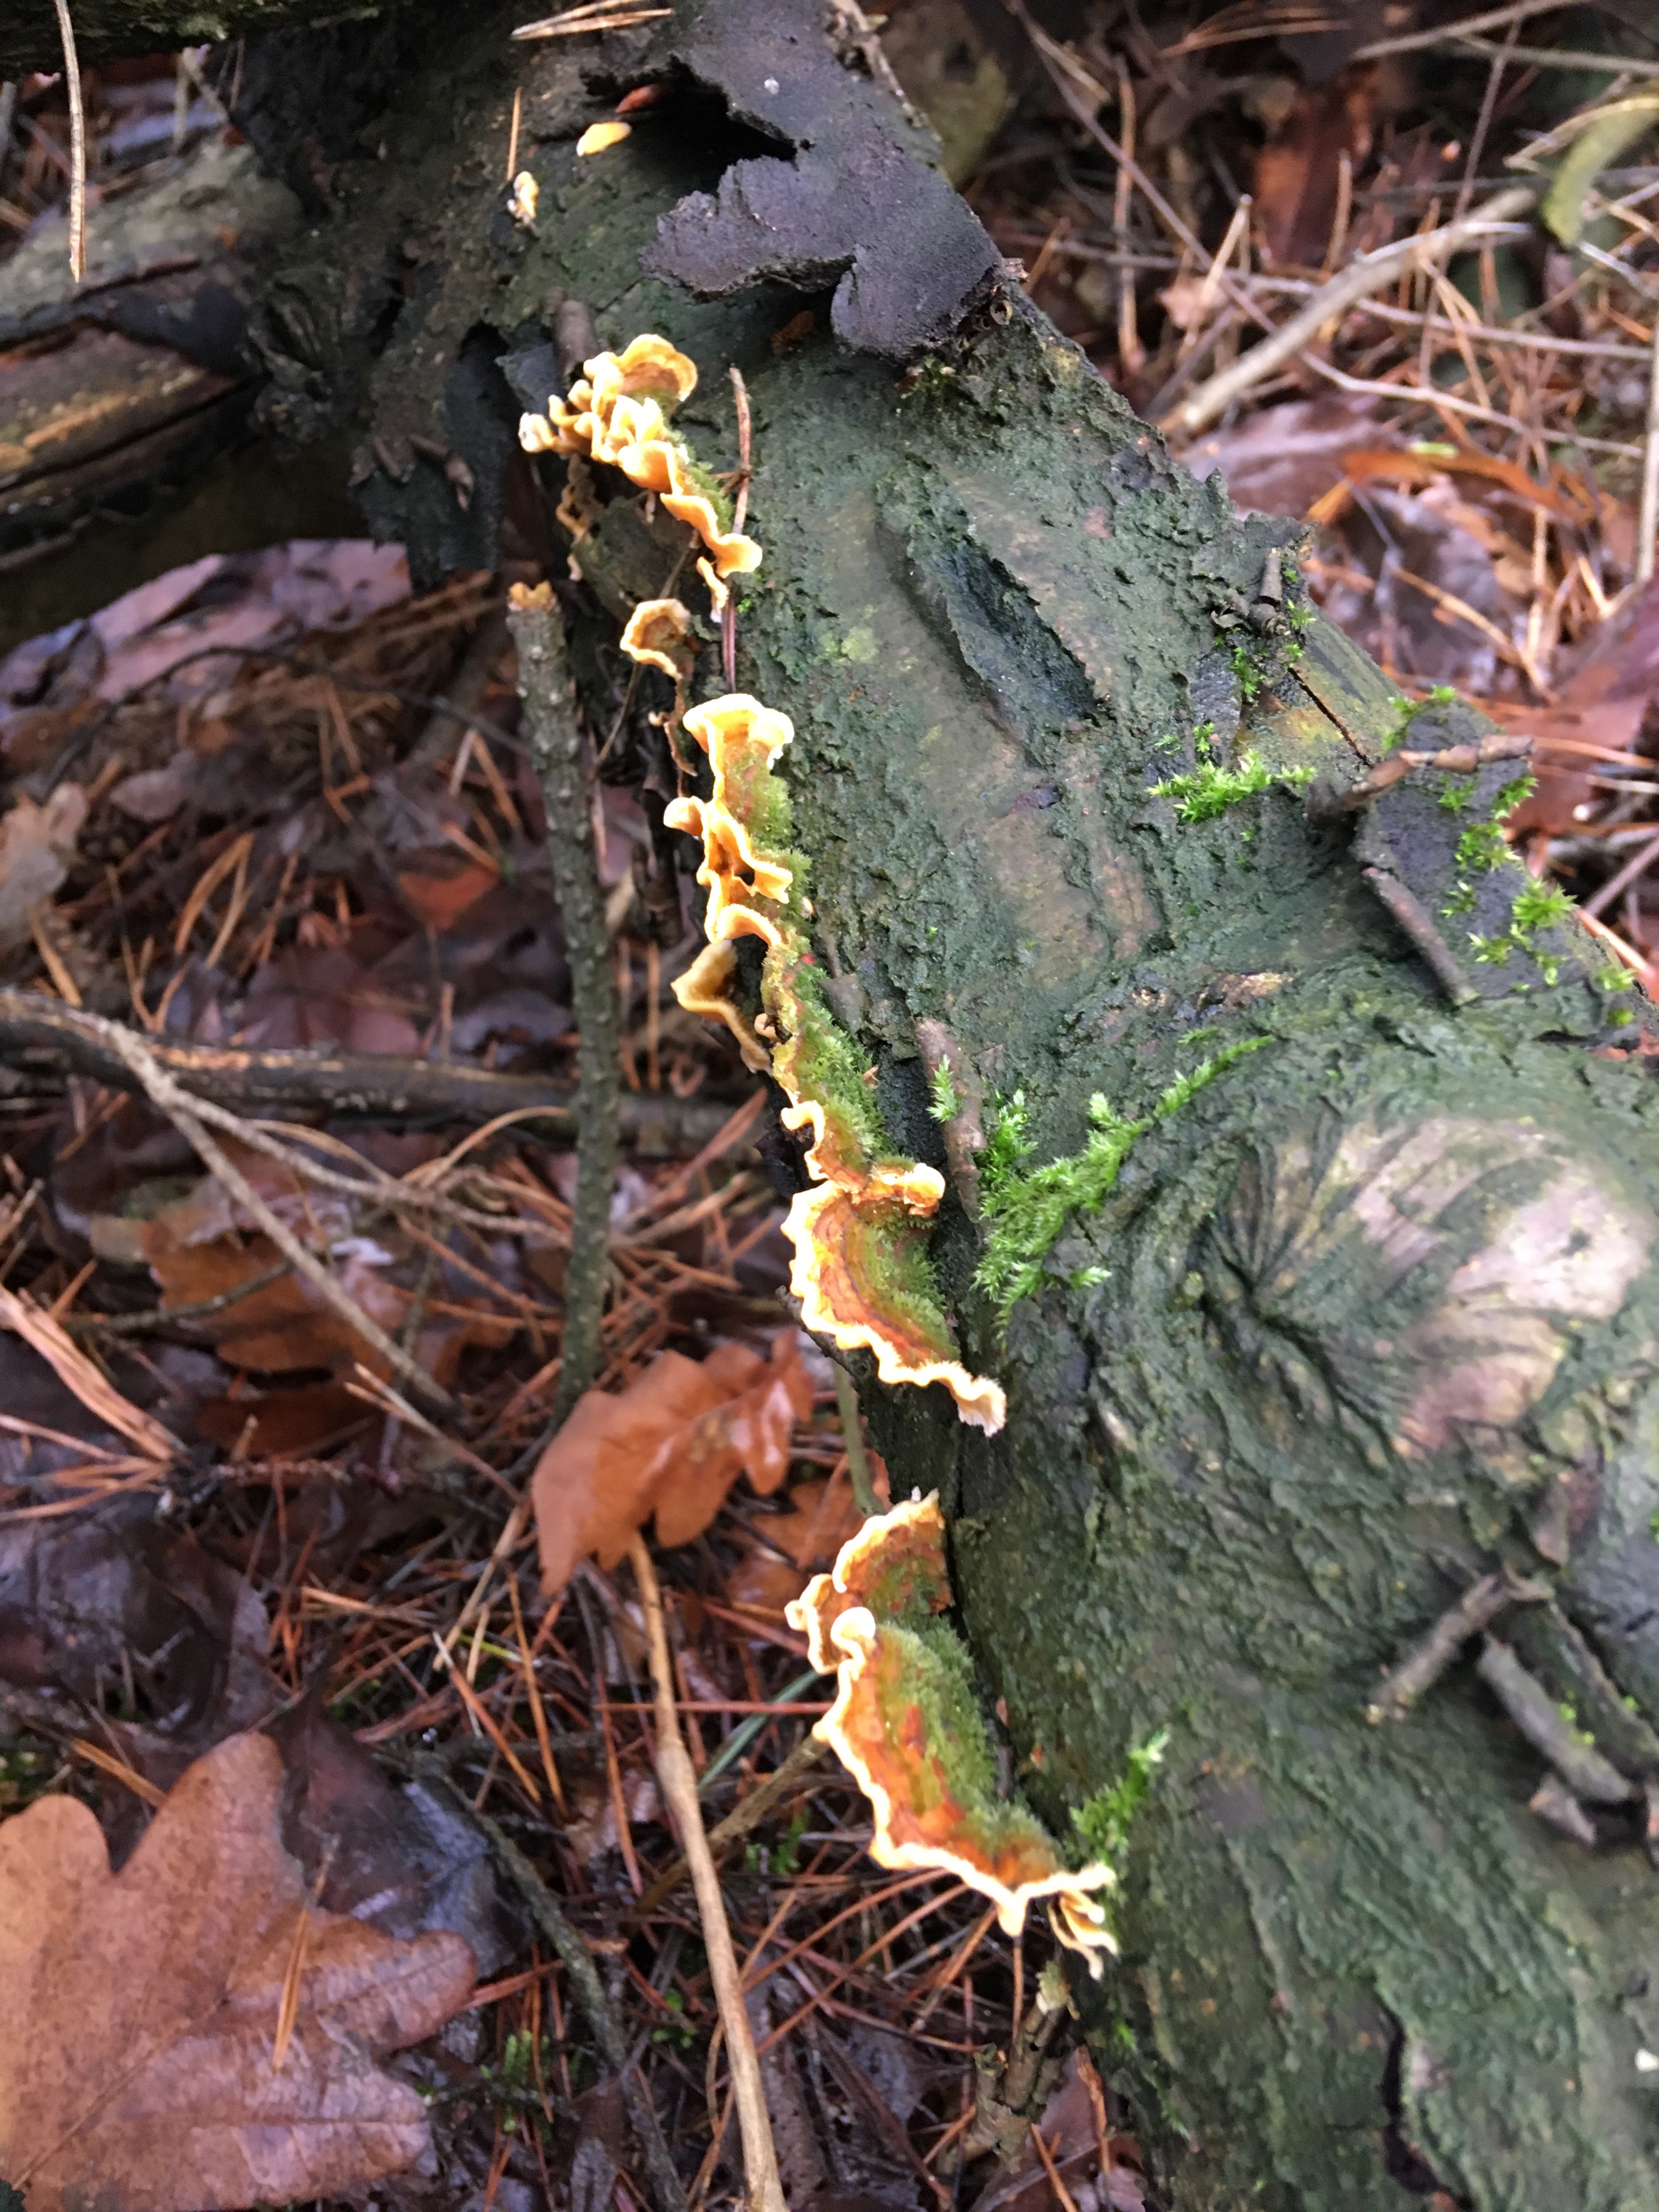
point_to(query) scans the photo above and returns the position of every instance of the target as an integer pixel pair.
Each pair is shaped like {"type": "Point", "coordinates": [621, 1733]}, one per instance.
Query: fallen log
{"type": "Point", "coordinates": [1300, 1350]}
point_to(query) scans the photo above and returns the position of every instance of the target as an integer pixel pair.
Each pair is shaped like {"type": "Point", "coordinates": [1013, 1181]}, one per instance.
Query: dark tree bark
{"type": "Point", "coordinates": [30, 37]}
{"type": "Point", "coordinates": [1372, 1317]}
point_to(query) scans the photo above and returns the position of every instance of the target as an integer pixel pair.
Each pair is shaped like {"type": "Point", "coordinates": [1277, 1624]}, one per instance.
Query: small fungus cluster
{"type": "Point", "coordinates": [617, 412]}
{"type": "Point", "coordinates": [906, 1725]}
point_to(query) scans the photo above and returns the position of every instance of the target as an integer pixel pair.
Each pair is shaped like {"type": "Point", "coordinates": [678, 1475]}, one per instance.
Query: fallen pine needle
{"type": "Point", "coordinates": [1068, 2203]}
{"type": "Point", "coordinates": [107, 1763]}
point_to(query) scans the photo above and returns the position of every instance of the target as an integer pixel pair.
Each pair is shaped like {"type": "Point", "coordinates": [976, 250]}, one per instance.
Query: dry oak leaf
{"type": "Point", "coordinates": [822, 1516]}
{"type": "Point", "coordinates": [138, 2010]}
{"type": "Point", "coordinates": [672, 1443]}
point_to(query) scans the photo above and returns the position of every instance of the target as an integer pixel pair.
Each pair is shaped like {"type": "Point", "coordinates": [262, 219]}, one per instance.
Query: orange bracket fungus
{"type": "Point", "coordinates": [658, 634]}
{"type": "Point", "coordinates": [617, 413]}
{"type": "Point", "coordinates": [861, 1232]}
{"type": "Point", "coordinates": [906, 1725]}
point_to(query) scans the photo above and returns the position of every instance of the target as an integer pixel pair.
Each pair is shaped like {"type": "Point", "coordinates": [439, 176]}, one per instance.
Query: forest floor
{"type": "Point", "coordinates": [273, 803]}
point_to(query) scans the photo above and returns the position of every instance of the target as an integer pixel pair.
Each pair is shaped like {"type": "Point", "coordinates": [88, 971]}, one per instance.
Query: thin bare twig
{"type": "Point", "coordinates": [1422, 1666]}
{"type": "Point", "coordinates": [679, 1786]}
{"type": "Point", "coordinates": [852, 1436]}
{"type": "Point", "coordinates": [1363, 276]}
{"type": "Point", "coordinates": [1068, 2201]}
{"type": "Point", "coordinates": [608, 18]}
{"type": "Point", "coordinates": [8, 118]}
{"type": "Point", "coordinates": [555, 749]}
{"type": "Point", "coordinates": [749, 1814]}
{"type": "Point", "coordinates": [1648, 526]}
{"type": "Point", "coordinates": [77, 207]}
{"type": "Point", "coordinates": [1130, 354]}
{"type": "Point", "coordinates": [1638, 865]}
{"type": "Point", "coordinates": [859, 34]}
{"type": "Point", "coordinates": [739, 514]}
{"type": "Point", "coordinates": [1483, 123]}
{"type": "Point", "coordinates": [371, 1187]}
{"type": "Point", "coordinates": [1494, 19]}
{"type": "Point", "coordinates": [35, 1030]}
{"type": "Point", "coordinates": [1565, 57]}
{"type": "Point", "coordinates": [1548, 1729]}
{"type": "Point", "coordinates": [578, 1963]}
{"type": "Point", "coordinates": [182, 1111]}
{"type": "Point", "coordinates": [1413, 395]}
{"type": "Point", "coordinates": [136, 1324]}
{"type": "Point", "coordinates": [1065, 71]}
{"type": "Point", "coordinates": [1413, 917]}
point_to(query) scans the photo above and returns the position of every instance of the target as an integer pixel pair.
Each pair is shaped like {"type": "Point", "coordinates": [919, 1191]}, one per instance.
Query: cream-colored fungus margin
{"type": "Point", "coordinates": [867, 1621]}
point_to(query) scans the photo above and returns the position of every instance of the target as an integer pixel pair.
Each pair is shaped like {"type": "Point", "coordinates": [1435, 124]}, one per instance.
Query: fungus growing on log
{"type": "Point", "coordinates": [860, 1233]}
{"type": "Point", "coordinates": [599, 136]}
{"type": "Point", "coordinates": [658, 634]}
{"type": "Point", "coordinates": [906, 1725]}
{"type": "Point", "coordinates": [617, 412]}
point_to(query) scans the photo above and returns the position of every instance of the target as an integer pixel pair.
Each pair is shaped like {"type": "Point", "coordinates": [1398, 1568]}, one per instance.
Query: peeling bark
{"type": "Point", "coordinates": [1371, 1319]}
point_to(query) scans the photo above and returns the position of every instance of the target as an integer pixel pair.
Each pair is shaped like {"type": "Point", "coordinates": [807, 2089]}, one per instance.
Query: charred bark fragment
{"type": "Point", "coordinates": [1352, 1324]}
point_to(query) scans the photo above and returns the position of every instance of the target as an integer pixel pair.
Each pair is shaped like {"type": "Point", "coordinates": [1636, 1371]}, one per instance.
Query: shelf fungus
{"type": "Point", "coordinates": [658, 634]}
{"type": "Point", "coordinates": [617, 413]}
{"type": "Point", "coordinates": [861, 1232]}
{"type": "Point", "coordinates": [906, 1725]}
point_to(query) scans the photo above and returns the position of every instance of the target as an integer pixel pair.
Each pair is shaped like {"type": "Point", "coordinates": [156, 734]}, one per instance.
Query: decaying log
{"type": "Point", "coordinates": [1356, 1317]}
{"type": "Point", "coordinates": [30, 39]}
{"type": "Point", "coordinates": [138, 376]}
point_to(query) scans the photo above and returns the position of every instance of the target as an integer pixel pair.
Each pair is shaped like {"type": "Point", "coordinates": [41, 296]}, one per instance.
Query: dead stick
{"type": "Point", "coordinates": [590, 1995]}
{"type": "Point", "coordinates": [1427, 1660]}
{"type": "Point", "coordinates": [164, 1095]}
{"type": "Point", "coordinates": [1541, 1720]}
{"type": "Point", "coordinates": [1647, 527]}
{"type": "Point", "coordinates": [1370, 273]}
{"type": "Point", "coordinates": [77, 207]}
{"type": "Point", "coordinates": [754, 1809]}
{"type": "Point", "coordinates": [679, 1786]}
{"type": "Point", "coordinates": [39, 1036]}
{"type": "Point", "coordinates": [556, 750]}
{"type": "Point", "coordinates": [1456, 760]}
{"type": "Point", "coordinates": [148, 1317]}
{"type": "Point", "coordinates": [1413, 917]}
{"type": "Point", "coordinates": [852, 1437]}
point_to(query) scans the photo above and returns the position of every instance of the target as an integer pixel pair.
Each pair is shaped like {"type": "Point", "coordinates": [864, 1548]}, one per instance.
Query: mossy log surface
{"type": "Point", "coordinates": [1373, 1314]}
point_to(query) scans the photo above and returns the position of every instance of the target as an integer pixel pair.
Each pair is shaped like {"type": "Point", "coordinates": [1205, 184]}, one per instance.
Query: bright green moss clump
{"type": "Point", "coordinates": [1026, 1210]}
{"type": "Point", "coordinates": [1210, 791]}
{"type": "Point", "coordinates": [1102, 1825]}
